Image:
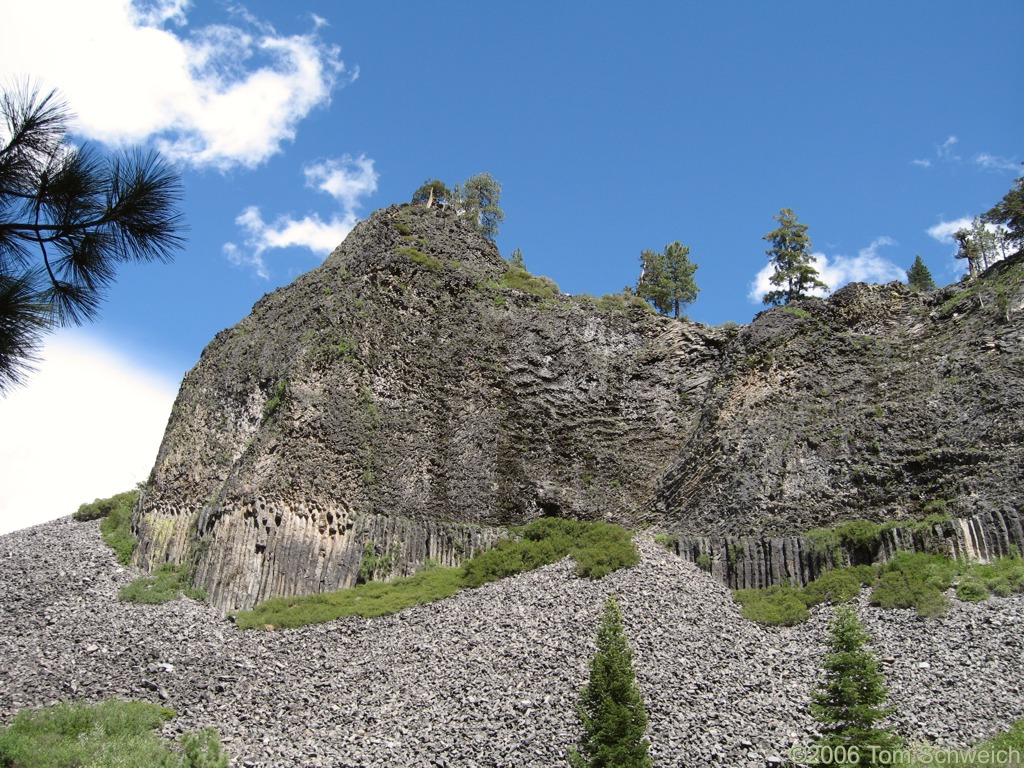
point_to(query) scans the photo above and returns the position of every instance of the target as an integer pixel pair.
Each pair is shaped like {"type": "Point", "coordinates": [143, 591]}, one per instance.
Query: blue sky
{"type": "Point", "coordinates": [613, 127]}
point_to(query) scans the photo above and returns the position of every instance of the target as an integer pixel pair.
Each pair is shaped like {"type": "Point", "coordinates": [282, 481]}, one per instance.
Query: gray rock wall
{"type": "Point", "coordinates": [402, 397]}
{"type": "Point", "coordinates": [409, 387]}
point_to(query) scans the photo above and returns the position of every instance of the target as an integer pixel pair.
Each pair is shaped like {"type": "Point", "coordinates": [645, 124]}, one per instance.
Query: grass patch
{"type": "Point", "coordinates": [779, 606]}
{"type": "Point", "coordinates": [166, 584]}
{"type": "Point", "coordinates": [521, 280]}
{"type": "Point", "coordinates": [1003, 749]}
{"type": "Point", "coordinates": [419, 257]}
{"type": "Point", "coordinates": [374, 598]}
{"type": "Point", "coordinates": [104, 507]}
{"type": "Point", "coordinates": [597, 548]}
{"type": "Point", "coordinates": [116, 526]}
{"type": "Point", "coordinates": [919, 581]}
{"type": "Point", "coordinates": [668, 541]}
{"type": "Point", "coordinates": [112, 733]}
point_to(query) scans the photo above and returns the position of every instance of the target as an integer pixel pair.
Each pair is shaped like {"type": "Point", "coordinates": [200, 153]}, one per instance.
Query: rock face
{"type": "Point", "coordinates": [398, 404]}
{"type": "Point", "coordinates": [411, 395]}
{"type": "Point", "coordinates": [879, 403]}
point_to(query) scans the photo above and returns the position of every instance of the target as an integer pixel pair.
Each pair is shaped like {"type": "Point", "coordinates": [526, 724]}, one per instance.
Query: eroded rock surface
{"type": "Point", "coordinates": [399, 403]}
{"type": "Point", "coordinates": [402, 402]}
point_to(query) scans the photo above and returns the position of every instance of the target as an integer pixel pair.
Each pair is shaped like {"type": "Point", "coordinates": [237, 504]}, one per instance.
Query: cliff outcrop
{"type": "Point", "coordinates": [402, 401]}
{"type": "Point", "coordinates": [879, 403]}
{"type": "Point", "coordinates": [412, 395]}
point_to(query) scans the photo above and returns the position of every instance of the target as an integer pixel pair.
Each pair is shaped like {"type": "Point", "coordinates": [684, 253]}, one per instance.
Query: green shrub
{"type": "Point", "coordinates": [106, 735]}
{"type": "Point", "coordinates": [779, 606]}
{"type": "Point", "coordinates": [861, 539]}
{"type": "Point", "coordinates": [622, 302]}
{"type": "Point", "coordinates": [103, 507]}
{"type": "Point", "coordinates": [602, 548]}
{"type": "Point", "coordinates": [166, 584]}
{"type": "Point", "coordinates": [668, 541]}
{"type": "Point", "coordinates": [971, 591]}
{"type": "Point", "coordinates": [521, 280]}
{"type": "Point", "coordinates": [116, 527]}
{"type": "Point", "coordinates": [825, 543]}
{"type": "Point", "coordinates": [736, 552]}
{"type": "Point", "coordinates": [1001, 577]}
{"type": "Point", "coordinates": [999, 587]}
{"type": "Point", "coordinates": [372, 564]}
{"type": "Point", "coordinates": [936, 508]}
{"type": "Point", "coordinates": [860, 535]}
{"type": "Point", "coordinates": [909, 580]}
{"type": "Point", "coordinates": [276, 400]}
{"type": "Point", "coordinates": [840, 585]}
{"type": "Point", "coordinates": [915, 581]}
{"type": "Point", "coordinates": [704, 562]}
{"type": "Point", "coordinates": [598, 549]}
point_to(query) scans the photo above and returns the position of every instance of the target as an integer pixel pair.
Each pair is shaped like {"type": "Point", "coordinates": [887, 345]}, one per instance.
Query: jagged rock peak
{"type": "Point", "coordinates": [414, 231]}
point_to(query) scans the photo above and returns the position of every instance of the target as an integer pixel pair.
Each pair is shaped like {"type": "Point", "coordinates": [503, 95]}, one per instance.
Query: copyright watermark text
{"type": "Point", "coordinates": [842, 755]}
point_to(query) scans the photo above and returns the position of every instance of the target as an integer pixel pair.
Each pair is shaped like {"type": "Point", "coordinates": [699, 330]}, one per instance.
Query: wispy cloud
{"type": "Point", "coordinates": [946, 150]}
{"type": "Point", "coordinates": [348, 180]}
{"type": "Point", "coordinates": [995, 162]}
{"type": "Point", "coordinates": [836, 271]}
{"type": "Point", "coordinates": [220, 96]}
{"type": "Point", "coordinates": [946, 153]}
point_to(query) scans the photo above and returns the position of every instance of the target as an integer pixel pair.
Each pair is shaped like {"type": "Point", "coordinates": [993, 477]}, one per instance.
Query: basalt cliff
{"type": "Point", "coordinates": [414, 394]}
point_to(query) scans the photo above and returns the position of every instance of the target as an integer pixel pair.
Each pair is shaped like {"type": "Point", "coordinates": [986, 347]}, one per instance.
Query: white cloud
{"type": "Point", "coordinates": [346, 179]}
{"type": "Point", "coordinates": [945, 150]}
{"type": "Point", "coordinates": [160, 11]}
{"type": "Point", "coordinates": [219, 96]}
{"type": "Point", "coordinates": [943, 231]}
{"type": "Point", "coordinates": [836, 271]}
{"type": "Point", "coordinates": [87, 425]}
{"type": "Point", "coordinates": [946, 153]}
{"type": "Point", "coordinates": [995, 163]}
